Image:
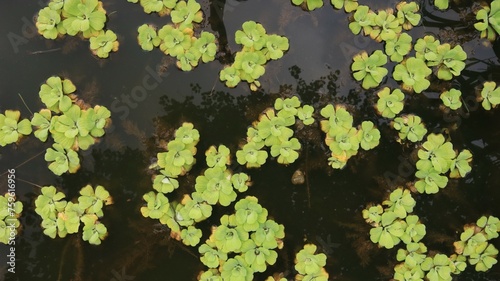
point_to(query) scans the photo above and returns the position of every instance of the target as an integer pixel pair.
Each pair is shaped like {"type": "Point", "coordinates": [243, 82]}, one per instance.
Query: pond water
{"type": "Point", "coordinates": [325, 211]}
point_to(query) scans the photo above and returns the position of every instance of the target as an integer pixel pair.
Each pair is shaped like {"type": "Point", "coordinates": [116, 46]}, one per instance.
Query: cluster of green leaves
{"type": "Point", "coordinates": [72, 124]}
{"type": "Point", "coordinates": [452, 99]}
{"type": "Point", "coordinates": [473, 245]}
{"type": "Point", "coordinates": [342, 138]}
{"type": "Point", "coordinates": [389, 104]}
{"type": "Point", "coordinates": [309, 5]}
{"type": "Point", "coordinates": [409, 127]}
{"type": "Point", "coordinates": [73, 17]}
{"type": "Point", "coordinates": [10, 211]}
{"type": "Point", "coordinates": [273, 130]}
{"type": "Point", "coordinates": [489, 20]}
{"type": "Point", "coordinates": [310, 265]}
{"type": "Point", "coordinates": [369, 69]}
{"type": "Point", "coordinates": [244, 243]}
{"type": "Point", "coordinates": [258, 48]}
{"type": "Point", "coordinates": [490, 95]}
{"type": "Point", "coordinates": [60, 217]}
{"type": "Point", "coordinates": [11, 129]}
{"type": "Point", "coordinates": [436, 158]}
{"type": "Point", "coordinates": [177, 39]}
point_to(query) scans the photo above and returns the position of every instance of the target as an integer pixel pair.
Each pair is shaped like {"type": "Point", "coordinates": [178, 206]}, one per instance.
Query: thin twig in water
{"type": "Point", "coordinates": [21, 97]}
{"type": "Point", "coordinates": [28, 182]}
{"type": "Point", "coordinates": [31, 158]}
{"type": "Point", "coordinates": [44, 52]}
{"type": "Point", "coordinates": [215, 81]}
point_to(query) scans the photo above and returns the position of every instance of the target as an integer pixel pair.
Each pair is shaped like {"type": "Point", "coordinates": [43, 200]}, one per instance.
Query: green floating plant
{"type": "Point", "coordinates": [387, 26]}
{"type": "Point", "coordinates": [236, 269]}
{"type": "Point", "coordinates": [251, 155]}
{"type": "Point", "coordinates": [62, 160]}
{"type": "Point", "coordinates": [410, 127]}
{"type": "Point", "coordinates": [92, 200]}
{"type": "Point", "coordinates": [10, 211]}
{"type": "Point", "coordinates": [438, 152]}
{"type": "Point", "coordinates": [157, 206]}
{"type": "Point", "coordinates": [187, 13]}
{"type": "Point", "coordinates": [413, 256]}
{"type": "Point", "coordinates": [489, 21]}
{"type": "Point", "coordinates": [441, 4]}
{"type": "Point", "coordinates": [389, 231]}
{"type": "Point", "coordinates": [452, 98]}
{"type": "Point", "coordinates": [399, 47]}
{"type": "Point", "coordinates": [373, 214]}
{"type": "Point", "coordinates": [364, 19]}
{"type": "Point", "coordinates": [450, 62]}
{"type": "Point", "coordinates": [93, 231]}
{"type": "Point", "coordinates": [390, 103]}
{"type": "Point", "coordinates": [42, 122]}
{"type": "Point", "coordinates": [368, 135]}
{"type": "Point", "coordinates": [148, 37]}
{"type": "Point", "coordinates": [48, 23]}
{"type": "Point", "coordinates": [490, 225]}
{"type": "Point", "coordinates": [309, 265]}
{"type": "Point", "coordinates": [56, 94]}
{"type": "Point", "coordinates": [308, 4]}
{"type": "Point", "coordinates": [460, 166]}
{"type": "Point", "coordinates": [191, 236]}
{"type": "Point", "coordinates": [400, 202]}
{"type": "Point", "coordinates": [348, 5]}
{"type": "Point", "coordinates": [369, 69]}
{"type": "Point", "coordinates": [438, 268]}
{"type": "Point", "coordinates": [104, 43]}
{"type": "Point", "coordinates": [179, 158]}
{"type": "Point", "coordinates": [408, 14]}
{"type": "Point", "coordinates": [11, 129]}
{"type": "Point", "coordinates": [490, 95]}
{"type": "Point", "coordinates": [426, 48]}
{"type": "Point", "coordinates": [305, 114]}
{"type": "Point", "coordinates": [215, 186]}
{"type": "Point", "coordinates": [413, 73]}
{"type": "Point", "coordinates": [86, 16]}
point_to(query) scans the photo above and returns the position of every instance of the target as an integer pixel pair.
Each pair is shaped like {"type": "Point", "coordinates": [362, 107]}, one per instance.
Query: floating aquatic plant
{"type": "Point", "coordinates": [430, 180]}
{"type": "Point", "coordinates": [426, 48]}
{"type": "Point", "coordinates": [451, 98]}
{"type": "Point", "coordinates": [48, 23]}
{"type": "Point", "coordinates": [92, 200]}
{"type": "Point", "coordinates": [11, 129]}
{"type": "Point", "coordinates": [10, 211]}
{"type": "Point", "coordinates": [369, 69]}
{"type": "Point", "coordinates": [390, 103]}
{"type": "Point", "coordinates": [62, 160]}
{"type": "Point", "coordinates": [439, 267]}
{"type": "Point", "coordinates": [399, 47]}
{"type": "Point", "coordinates": [187, 13]}
{"type": "Point", "coordinates": [93, 230]}
{"type": "Point", "coordinates": [307, 262]}
{"type": "Point", "coordinates": [460, 166]}
{"type": "Point", "coordinates": [410, 127]}
{"type": "Point", "coordinates": [236, 269]}
{"type": "Point", "coordinates": [489, 19]}
{"type": "Point", "coordinates": [157, 205]}
{"type": "Point", "coordinates": [251, 155]}
{"type": "Point", "coordinates": [257, 257]}
{"type": "Point", "coordinates": [364, 19]}
{"type": "Point", "coordinates": [387, 26]}
{"type": "Point", "coordinates": [148, 37]}
{"type": "Point", "coordinates": [211, 256]}
{"type": "Point", "coordinates": [400, 202]}
{"type": "Point", "coordinates": [348, 5]}
{"type": "Point", "coordinates": [205, 46]}
{"type": "Point", "coordinates": [441, 4]}
{"type": "Point", "coordinates": [215, 186]}
{"type": "Point", "coordinates": [305, 114]}
{"type": "Point", "coordinates": [368, 135]}
{"type": "Point", "coordinates": [389, 232]}
{"type": "Point", "coordinates": [490, 95]}
{"type": "Point", "coordinates": [252, 36]}
{"type": "Point", "coordinates": [438, 152]}
{"type": "Point", "coordinates": [413, 73]}
{"type": "Point", "coordinates": [104, 43]}
{"type": "Point", "coordinates": [309, 4]}
{"type": "Point", "coordinates": [414, 231]}
{"type": "Point", "coordinates": [407, 14]}
{"type": "Point", "coordinates": [373, 214]}
{"type": "Point", "coordinates": [286, 151]}
{"type": "Point", "coordinates": [42, 121]}
{"type": "Point", "coordinates": [191, 236]}
{"type": "Point", "coordinates": [174, 41]}
{"type": "Point", "coordinates": [56, 94]}
{"type": "Point", "coordinates": [450, 62]}
{"type": "Point", "coordinates": [86, 16]}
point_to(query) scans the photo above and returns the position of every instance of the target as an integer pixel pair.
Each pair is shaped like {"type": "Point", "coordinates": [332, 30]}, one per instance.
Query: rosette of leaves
{"type": "Point", "coordinates": [210, 255]}
{"type": "Point", "coordinates": [68, 221]}
{"type": "Point", "coordinates": [413, 73]}
{"type": "Point", "coordinates": [369, 69]}
{"type": "Point", "coordinates": [389, 232]}
{"type": "Point", "coordinates": [104, 43]}
{"type": "Point", "coordinates": [157, 205]}
{"type": "Point", "coordinates": [410, 127]}
{"type": "Point", "coordinates": [451, 98]}
{"type": "Point", "coordinates": [250, 64]}
{"type": "Point", "coordinates": [413, 256]}
{"type": "Point", "coordinates": [364, 19]}
{"type": "Point", "coordinates": [286, 151]}
{"type": "Point", "coordinates": [274, 129]}
{"type": "Point", "coordinates": [229, 237]}
{"type": "Point", "coordinates": [177, 160]}
{"type": "Point", "coordinates": [460, 263]}
{"type": "Point", "coordinates": [95, 120]}
{"type": "Point", "coordinates": [345, 142]}
{"type": "Point", "coordinates": [10, 211]}
{"type": "Point", "coordinates": [373, 214]}
{"type": "Point", "coordinates": [439, 267]}
{"type": "Point", "coordinates": [275, 46]}
{"type": "Point", "coordinates": [86, 16]}
{"type": "Point", "coordinates": [305, 114]}
{"type": "Point", "coordinates": [490, 225]}
{"type": "Point", "coordinates": [489, 19]}
{"type": "Point", "coordinates": [450, 62]}
{"type": "Point", "coordinates": [339, 120]}
{"type": "Point", "coordinates": [414, 231]}
{"type": "Point", "coordinates": [249, 214]}
{"type": "Point", "coordinates": [93, 231]}
{"type": "Point", "coordinates": [92, 200]}
{"type": "Point", "coordinates": [257, 257]}
{"type": "Point", "coordinates": [42, 122]}
{"type": "Point", "coordinates": [490, 95]}
{"type": "Point", "coordinates": [253, 136]}
{"type": "Point", "coordinates": [387, 26]}
{"type": "Point", "coordinates": [215, 186]}
{"type": "Point", "coordinates": [195, 208]}
{"type": "Point", "coordinates": [485, 260]}
{"type": "Point", "coordinates": [188, 60]}
{"type": "Point", "coordinates": [185, 13]}
{"type": "Point", "coordinates": [390, 103]}
{"type": "Point", "coordinates": [188, 135]}
{"type": "Point", "coordinates": [368, 135]}
{"type": "Point", "coordinates": [56, 94]}
{"type": "Point", "coordinates": [438, 151]}
{"type": "Point", "coordinates": [236, 269]}
{"type": "Point", "coordinates": [49, 203]}
{"type": "Point", "coordinates": [205, 46]}
{"type": "Point", "coordinates": [426, 48]}
{"type": "Point", "coordinates": [62, 160]}
{"type": "Point", "coordinates": [348, 5]}
{"type": "Point", "coordinates": [288, 106]}
{"type": "Point", "coordinates": [209, 275]}
{"type": "Point", "coordinates": [11, 129]}
{"type": "Point", "coordinates": [398, 47]}
{"type": "Point", "coordinates": [308, 4]}
{"type": "Point", "coordinates": [400, 202]}
{"type": "Point", "coordinates": [148, 37]}
{"type": "Point", "coordinates": [219, 157]}
{"type": "Point", "coordinates": [175, 41]}
{"type": "Point", "coordinates": [56, 5]}
{"type": "Point", "coordinates": [269, 235]}
{"type": "Point", "coordinates": [402, 272]}
{"type": "Point", "coordinates": [156, 6]}
{"type": "Point", "coordinates": [48, 23]}
{"type": "Point", "coordinates": [50, 228]}
{"type": "Point", "coordinates": [191, 236]}
{"type": "Point", "coordinates": [240, 181]}
{"type": "Point", "coordinates": [230, 75]}
{"type": "Point", "coordinates": [307, 262]}
{"type": "Point", "coordinates": [430, 180]}
{"type": "Point", "coordinates": [71, 132]}
{"type": "Point", "coordinates": [408, 15]}
{"type": "Point", "coordinates": [252, 36]}
{"type": "Point", "coordinates": [251, 155]}
{"type": "Point", "coordinates": [460, 166]}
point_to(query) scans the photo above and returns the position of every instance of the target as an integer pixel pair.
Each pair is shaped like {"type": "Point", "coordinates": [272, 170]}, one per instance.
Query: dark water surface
{"type": "Point", "coordinates": [316, 68]}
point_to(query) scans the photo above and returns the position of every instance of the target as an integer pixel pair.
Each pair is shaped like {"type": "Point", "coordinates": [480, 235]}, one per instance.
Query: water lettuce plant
{"type": "Point", "coordinates": [148, 37]}
{"type": "Point", "coordinates": [348, 5]}
{"type": "Point", "coordinates": [11, 129]}
{"type": "Point", "coordinates": [387, 26]}
{"type": "Point", "coordinates": [104, 43]}
{"type": "Point", "coordinates": [399, 47]}
{"type": "Point", "coordinates": [174, 41]}
{"type": "Point", "coordinates": [450, 62]}
{"type": "Point", "coordinates": [307, 262]}
{"type": "Point", "coordinates": [451, 98]}
{"type": "Point", "coordinates": [205, 46]}
{"type": "Point", "coordinates": [364, 19]}
{"type": "Point", "coordinates": [426, 48]}
{"type": "Point", "coordinates": [410, 127]}
{"type": "Point", "coordinates": [286, 151]}
{"type": "Point", "coordinates": [92, 200]}
{"type": "Point", "coordinates": [490, 95]}
{"type": "Point", "coordinates": [460, 166]}
{"type": "Point", "coordinates": [215, 186]}
{"type": "Point", "coordinates": [390, 103]}
{"type": "Point", "coordinates": [368, 135]}
{"type": "Point", "coordinates": [219, 157]}
{"type": "Point", "coordinates": [86, 16]}
{"type": "Point", "coordinates": [488, 20]}
{"type": "Point", "coordinates": [251, 36]}
{"type": "Point", "coordinates": [438, 152]}
{"type": "Point", "coordinates": [413, 73]}
{"type": "Point", "coordinates": [400, 202]}
{"type": "Point", "coordinates": [305, 114]}
{"type": "Point", "coordinates": [10, 211]}
{"type": "Point", "coordinates": [187, 13]}
{"type": "Point", "coordinates": [388, 233]}
{"type": "Point", "coordinates": [93, 231]}
{"type": "Point", "coordinates": [438, 267]}
{"type": "Point", "coordinates": [42, 121]}
{"type": "Point", "coordinates": [407, 14]}
{"type": "Point", "coordinates": [62, 160]}
{"type": "Point", "coordinates": [369, 69]}
{"type": "Point", "coordinates": [308, 4]}
{"type": "Point", "coordinates": [56, 94]}
{"type": "Point", "coordinates": [441, 4]}
{"type": "Point", "coordinates": [48, 23]}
